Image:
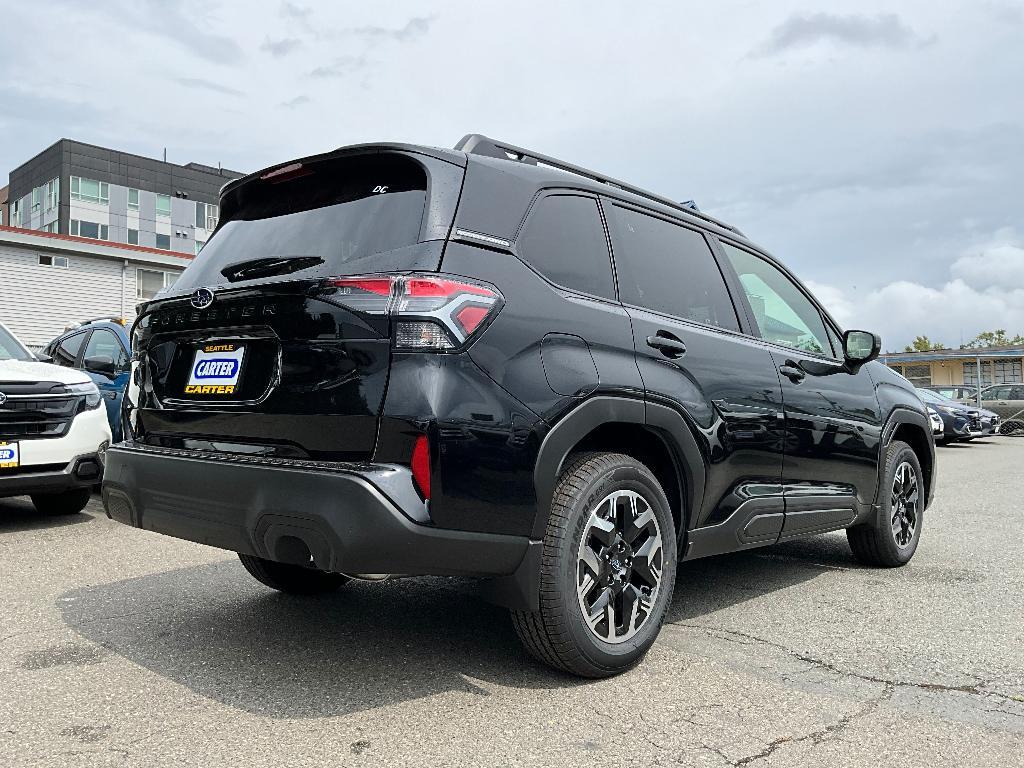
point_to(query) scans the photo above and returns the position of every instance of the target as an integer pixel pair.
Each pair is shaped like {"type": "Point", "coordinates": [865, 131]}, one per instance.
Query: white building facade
{"type": "Point", "coordinates": [48, 281]}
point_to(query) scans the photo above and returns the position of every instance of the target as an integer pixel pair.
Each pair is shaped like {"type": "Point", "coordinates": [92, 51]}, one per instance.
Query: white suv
{"type": "Point", "coordinates": [53, 430]}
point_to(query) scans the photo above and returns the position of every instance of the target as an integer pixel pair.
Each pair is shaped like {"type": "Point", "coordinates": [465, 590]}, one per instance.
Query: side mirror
{"type": "Point", "coordinates": [42, 357]}
{"type": "Point", "coordinates": [860, 347]}
{"type": "Point", "coordinates": [100, 364]}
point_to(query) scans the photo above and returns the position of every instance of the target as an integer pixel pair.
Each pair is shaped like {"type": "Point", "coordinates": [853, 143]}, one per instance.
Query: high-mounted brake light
{"type": "Point", "coordinates": [431, 312]}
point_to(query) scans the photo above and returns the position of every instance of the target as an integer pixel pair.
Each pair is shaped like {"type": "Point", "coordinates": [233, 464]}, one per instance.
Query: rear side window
{"type": "Point", "coordinates": [668, 268]}
{"type": "Point", "coordinates": [563, 240]}
{"type": "Point", "coordinates": [66, 352]}
{"type": "Point", "coordinates": [341, 216]}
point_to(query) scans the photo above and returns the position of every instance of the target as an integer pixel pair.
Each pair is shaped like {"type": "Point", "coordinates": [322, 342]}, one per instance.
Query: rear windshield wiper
{"type": "Point", "coordinates": [267, 267]}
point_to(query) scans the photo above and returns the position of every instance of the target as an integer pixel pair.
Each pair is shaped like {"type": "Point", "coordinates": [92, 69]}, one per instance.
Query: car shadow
{"type": "Point", "coordinates": [215, 631]}
{"type": "Point", "coordinates": [18, 514]}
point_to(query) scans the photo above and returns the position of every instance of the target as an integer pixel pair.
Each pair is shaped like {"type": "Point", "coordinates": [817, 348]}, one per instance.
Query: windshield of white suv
{"type": "Point", "coordinates": [11, 349]}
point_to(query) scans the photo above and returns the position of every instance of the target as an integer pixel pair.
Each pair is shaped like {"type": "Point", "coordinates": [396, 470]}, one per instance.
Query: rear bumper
{"type": "Point", "coordinates": [81, 472]}
{"type": "Point", "coordinates": [351, 518]}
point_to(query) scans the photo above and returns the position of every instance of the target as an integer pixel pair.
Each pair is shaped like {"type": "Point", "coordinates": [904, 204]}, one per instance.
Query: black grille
{"type": "Point", "coordinates": [26, 417]}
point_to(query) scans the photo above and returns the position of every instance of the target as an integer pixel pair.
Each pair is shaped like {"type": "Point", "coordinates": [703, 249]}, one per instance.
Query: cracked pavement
{"type": "Point", "coordinates": [124, 648]}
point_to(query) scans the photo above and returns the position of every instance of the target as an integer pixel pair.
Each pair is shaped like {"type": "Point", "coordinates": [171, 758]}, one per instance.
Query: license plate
{"type": "Point", "coordinates": [215, 370]}
{"type": "Point", "coordinates": [10, 457]}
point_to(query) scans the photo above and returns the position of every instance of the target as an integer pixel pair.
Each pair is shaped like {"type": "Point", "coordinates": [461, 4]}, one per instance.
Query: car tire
{"type": "Point", "coordinates": [890, 539]}
{"type": "Point", "coordinates": [602, 548]}
{"type": "Point", "coordinates": [66, 503]}
{"type": "Point", "coordinates": [293, 579]}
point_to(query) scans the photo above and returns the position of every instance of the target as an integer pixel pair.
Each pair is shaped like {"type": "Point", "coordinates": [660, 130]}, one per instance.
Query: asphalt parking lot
{"type": "Point", "coordinates": [120, 647]}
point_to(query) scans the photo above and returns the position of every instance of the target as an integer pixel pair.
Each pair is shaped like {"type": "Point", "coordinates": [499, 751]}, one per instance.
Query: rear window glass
{"type": "Point", "coordinates": [335, 217]}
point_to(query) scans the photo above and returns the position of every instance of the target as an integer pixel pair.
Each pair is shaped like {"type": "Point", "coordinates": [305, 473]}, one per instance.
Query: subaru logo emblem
{"type": "Point", "coordinates": [202, 298]}
{"type": "Point", "coordinates": [3, 398]}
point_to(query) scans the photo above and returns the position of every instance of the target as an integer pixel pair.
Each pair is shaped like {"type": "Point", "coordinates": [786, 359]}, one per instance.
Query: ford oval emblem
{"type": "Point", "coordinates": [202, 298]}
{"type": "Point", "coordinates": [3, 398]}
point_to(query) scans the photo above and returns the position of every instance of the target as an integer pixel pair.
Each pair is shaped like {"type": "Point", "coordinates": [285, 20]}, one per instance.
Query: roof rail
{"type": "Point", "coordinates": [478, 144]}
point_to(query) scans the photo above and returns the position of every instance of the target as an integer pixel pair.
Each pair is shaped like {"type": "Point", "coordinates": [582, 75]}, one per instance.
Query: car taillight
{"type": "Point", "coordinates": [430, 312]}
{"type": "Point", "coordinates": [421, 465]}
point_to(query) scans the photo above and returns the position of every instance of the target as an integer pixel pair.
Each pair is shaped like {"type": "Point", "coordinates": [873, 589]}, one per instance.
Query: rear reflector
{"type": "Point", "coordinates": [432, 312]}
{"type": "Point", "coordinates": [421, 465]}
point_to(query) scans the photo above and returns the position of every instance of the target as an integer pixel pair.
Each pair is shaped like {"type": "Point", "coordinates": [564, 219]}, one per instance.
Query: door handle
{"type": "Point", "coordinates": [792, 371]}
{"type": "Point", "coordinates": [669, 345]}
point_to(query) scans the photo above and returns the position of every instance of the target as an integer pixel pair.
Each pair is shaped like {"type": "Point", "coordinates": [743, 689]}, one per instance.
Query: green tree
{"type": "Point", "coordinates": [996, 338]}
{"type": "Point", "coordinates": [923, 344]}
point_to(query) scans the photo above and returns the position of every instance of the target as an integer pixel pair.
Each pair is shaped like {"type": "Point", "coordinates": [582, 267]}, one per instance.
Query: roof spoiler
{"type": "Point", "coordinates": [478, 144]}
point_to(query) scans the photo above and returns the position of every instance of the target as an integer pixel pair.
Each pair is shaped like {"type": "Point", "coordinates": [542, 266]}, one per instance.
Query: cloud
{"type": "Point", "coordinates": [415, 27]}
{"type": "Point", "coordinates": [298, 101]}
{"type": "Point", "coordinates": [279, 48]}
{"type": "Point", "coordinates": [803, 30]}
{"type": "Point", "coordinates": [173, 21]}
{"type": "Point", "coordinates": [294, 11]}
{"type": "Point", "coordinates": [340, 67]}
{"type": "Point", "coordinates": [984, 291]}
{"type": "Point", "coordinates": [208, 85]}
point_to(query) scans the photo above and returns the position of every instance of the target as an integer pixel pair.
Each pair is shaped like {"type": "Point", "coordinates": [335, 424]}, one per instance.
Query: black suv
{"type": "Point", "coordinates": [485, 362]}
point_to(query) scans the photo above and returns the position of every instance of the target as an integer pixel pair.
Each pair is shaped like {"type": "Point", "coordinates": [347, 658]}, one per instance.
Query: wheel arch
{"type": "Point", "coordinates": [914, 429]}
{"type": "Point", "coordinates": [657, 436]}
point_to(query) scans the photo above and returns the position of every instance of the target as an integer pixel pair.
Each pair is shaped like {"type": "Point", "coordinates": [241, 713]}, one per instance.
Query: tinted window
{"type": "Point", "coordinates": [103, 343]}
{"type": "Point", "coordinates": [668, 268]}
{"type": "Point", "coordinates": [997, 393]}
{"type": "Point", "coordinates": [563, 240]}
{"type": "Point", "coordinates": [353, 214]}
{"type": "Point", "coordinates": [783, 313]}
{"type": "Point", "coordinates": [67, 351]}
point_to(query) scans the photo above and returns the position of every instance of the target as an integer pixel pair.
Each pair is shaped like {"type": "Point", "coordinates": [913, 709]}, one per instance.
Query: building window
{"type": "Point", "coordinates": [90, 190]}
{"type": "Point", "coordinates": [163, 205]}
{"type": "Point", "coordinates": [163, 242]}
{"type": "Point", "coordinates": [149, 282]}
{"type": "Point", "coordinates": [133, 236]}
{"type": "Point", "coordinates": [133, 199]}
{"type": "Point", "coordinates": [53, 261]}
{"type": "Point", "coordinates": [51, 227]}
{"type": "Point", "coordinates": [16, 213]}
{"type": "Point", "coordinates": [993, 372]}
{"type": "Point", "coordinates": [199, 246]}
{"type": "Point", "coordinates": [89, 229]}
{"type": "Point", "coordinates": [206, 215]}
{"type": "Point", "coordinates": [918, 375]}
{"type": "Point", "coordinates": [37, 198]}
{"type": "Point", "coordinates": [52, 194]}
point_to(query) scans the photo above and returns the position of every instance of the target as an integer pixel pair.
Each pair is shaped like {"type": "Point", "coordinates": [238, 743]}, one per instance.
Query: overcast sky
{"type": "Point", "coordinates": [877, 148]}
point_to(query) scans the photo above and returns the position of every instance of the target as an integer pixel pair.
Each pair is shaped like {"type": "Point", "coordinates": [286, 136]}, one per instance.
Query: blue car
{"type": "Point", "coordinates": [102, 349]}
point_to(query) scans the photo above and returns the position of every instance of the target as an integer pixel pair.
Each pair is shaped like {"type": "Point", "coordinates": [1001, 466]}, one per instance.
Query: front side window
{"type": "Point", "coordinates": [163, 205]}
{"type": "Point", "coordinates": [783, 313]}
{"type": "Point", "coordinates": [563, 240]}
{"type": "Point", "coordinates": [103, 343]}
{"type": "Point", "coordinates": [666, 267]}
{"type": "Point", "coordinates": [66, 353]}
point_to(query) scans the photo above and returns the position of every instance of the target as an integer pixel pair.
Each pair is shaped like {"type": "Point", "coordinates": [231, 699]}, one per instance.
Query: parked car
{"type": "Point", "coordinates": [490, 363]}
{"type": "Point", "coordinates": [1007, 400]}
{"type": "Point", "coordinates": [966, 394]}
{"type": "Point", "coordinates": [52, 431]}
{"type": "Point", "coordinates": [102, 349]}
{"type": "Point", "coordinates": [960, 422]}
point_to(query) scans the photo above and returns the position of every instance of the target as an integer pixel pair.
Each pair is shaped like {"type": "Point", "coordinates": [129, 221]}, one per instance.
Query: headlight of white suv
{"type": "Point", "coordinates": [91, 392]}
